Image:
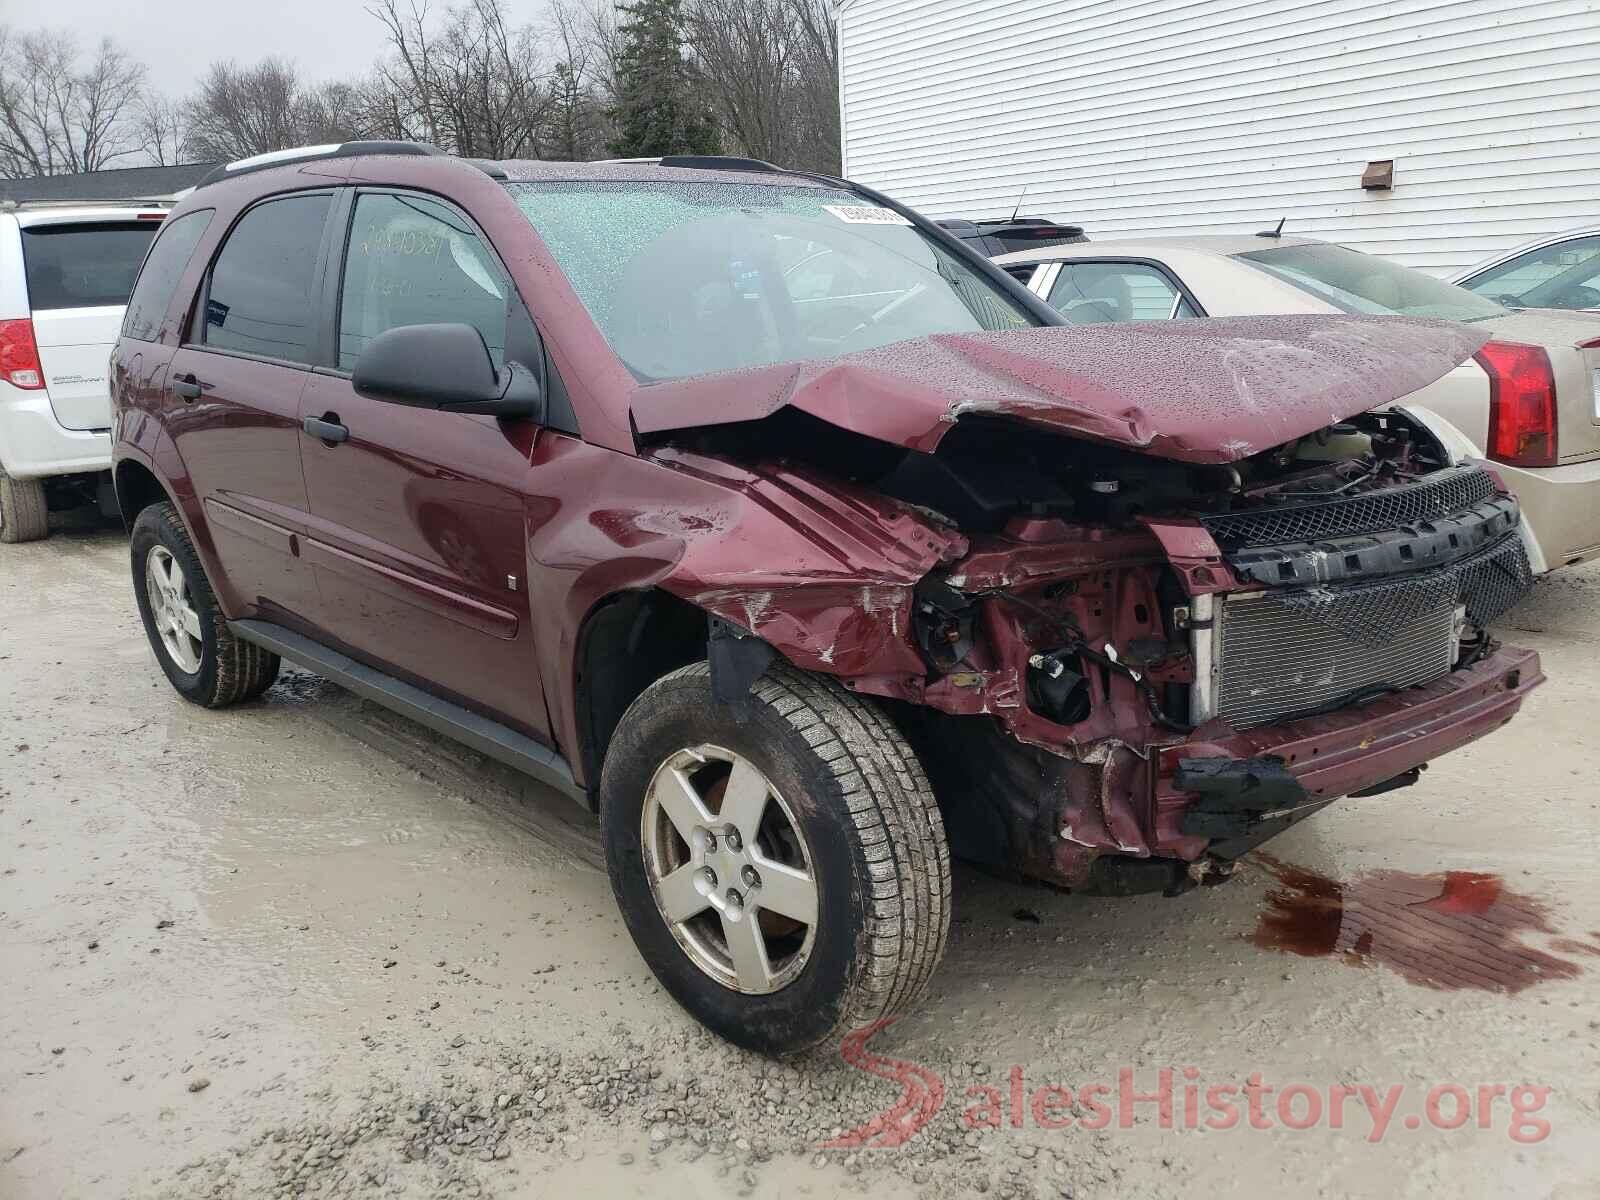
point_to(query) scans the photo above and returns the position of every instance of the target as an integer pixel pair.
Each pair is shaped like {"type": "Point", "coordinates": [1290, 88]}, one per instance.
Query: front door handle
{"type": "Point", "coordinates": [327, 429]}
{"type": "Point", "coordinates": [187, 387]}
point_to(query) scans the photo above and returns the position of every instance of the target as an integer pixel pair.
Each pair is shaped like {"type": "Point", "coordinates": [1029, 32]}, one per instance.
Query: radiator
{"type": "Point", "coordinates": [1277, 660]}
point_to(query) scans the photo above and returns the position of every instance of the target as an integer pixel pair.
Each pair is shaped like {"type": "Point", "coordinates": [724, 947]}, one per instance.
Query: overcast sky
{"type": "Point", "coordinates": [178, 39]}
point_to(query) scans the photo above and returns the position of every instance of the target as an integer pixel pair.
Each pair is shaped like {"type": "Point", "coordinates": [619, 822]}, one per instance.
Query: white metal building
{"type": "Point", "coordinates": [1221, 116]}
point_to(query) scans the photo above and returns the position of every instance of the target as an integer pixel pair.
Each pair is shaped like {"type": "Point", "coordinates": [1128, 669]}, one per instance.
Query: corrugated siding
{"type": "Point", "coordinates": [1220, 116]}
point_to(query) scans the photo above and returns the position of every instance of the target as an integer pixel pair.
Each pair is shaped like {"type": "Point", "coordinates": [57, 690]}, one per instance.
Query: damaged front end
{"type": "Point", "coordinates": [1124, 665]}
{"type": "Point", "coordinates": [1166, 692]}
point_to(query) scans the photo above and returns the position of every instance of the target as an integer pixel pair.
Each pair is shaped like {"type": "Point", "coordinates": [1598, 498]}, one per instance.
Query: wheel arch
{"type": "Point", "coordinates": [139, 484]}
{"type": "Point", "coordinates": [627, 641]}
{"type": "Point", "coordinates": [138, 487]}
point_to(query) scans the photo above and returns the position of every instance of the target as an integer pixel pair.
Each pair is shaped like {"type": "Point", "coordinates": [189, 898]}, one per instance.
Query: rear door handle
{"type": "Point", "coordinates": [326, 429]}
{"type": "Point", "coordinates": [187, 387]}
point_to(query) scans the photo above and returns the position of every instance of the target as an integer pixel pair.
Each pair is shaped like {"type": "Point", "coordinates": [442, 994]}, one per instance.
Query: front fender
{"type": "Point", "coordinates": [822, 571]}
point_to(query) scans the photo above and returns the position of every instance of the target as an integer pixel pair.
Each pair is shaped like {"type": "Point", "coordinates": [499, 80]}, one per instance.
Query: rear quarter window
{"type": "Point", "coordinates": [83, 266]}
{"type": "Point", "coordinates": [164, 266]}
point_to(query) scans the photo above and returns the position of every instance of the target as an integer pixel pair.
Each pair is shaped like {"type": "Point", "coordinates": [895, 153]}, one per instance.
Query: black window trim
{"type": "Point", "coordinates": [1131, 260]}
{"type": "Point", "coordinates": [193, 338]}
{"type": "Point", "coordinates": [344, 217]}
{"type": "Point", "coordinates": [333, 286]}
{"type": "Point", "coordinates": [560, 416]}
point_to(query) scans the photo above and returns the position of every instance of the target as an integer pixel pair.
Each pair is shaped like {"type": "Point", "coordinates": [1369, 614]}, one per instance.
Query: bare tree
{"type": "Point", "coordinates": [403, 89]}
{"type": "Point", "coordinates": [582, 79]}
{"type": "Point", "coordinates": [470, 82]}
{"type": "Point", "coordinates": [240, 111]}
{"type": "Point", "coordinates": [466, 78]}
{"type": "Point", "coordinates": [814, 104]}
{"type": "Point", "coordinates": [163, 129]}
{"type": "Point", "coordinates": [772, 67]}
{"type": "Point", "coordinates": [58, 114]}
{"type": "Point", "coordinates": [333, 112]}
{"type": "Point", "coordinates": [595, 24]}
{"type": "Point", "coordinates": [743, 47]}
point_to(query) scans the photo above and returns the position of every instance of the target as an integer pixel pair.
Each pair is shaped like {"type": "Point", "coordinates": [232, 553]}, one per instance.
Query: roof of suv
{"type": "Point", "coordinates": [539, 171]}
{"type": "Point", "coordinates": [683, 169]}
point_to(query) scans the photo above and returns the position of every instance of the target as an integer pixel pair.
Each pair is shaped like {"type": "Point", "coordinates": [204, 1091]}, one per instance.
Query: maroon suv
{"type": "Point", "coordinates": [760, 515]}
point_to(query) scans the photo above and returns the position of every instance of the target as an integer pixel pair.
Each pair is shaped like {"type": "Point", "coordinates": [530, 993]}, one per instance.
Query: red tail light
{"type": "Point", "coordinates": [19, 355]}
{"type": "Point", "coordinates": [1522, 404]}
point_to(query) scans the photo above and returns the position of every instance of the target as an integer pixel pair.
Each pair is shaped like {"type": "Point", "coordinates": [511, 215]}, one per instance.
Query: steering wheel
{"type": "Point", "coordinates": [1577, 296]}
{"type": "Point", "coordinates": [1093, 312]}
{"type": "Point", "coordinates": [899, 302]}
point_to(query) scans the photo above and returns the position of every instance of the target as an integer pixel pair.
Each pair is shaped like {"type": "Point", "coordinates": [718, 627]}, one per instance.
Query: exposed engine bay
{"type": "Point", "coordinates": [1113, 645]}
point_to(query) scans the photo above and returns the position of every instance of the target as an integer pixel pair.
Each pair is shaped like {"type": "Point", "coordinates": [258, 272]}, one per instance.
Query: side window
{"type": "Point", "coordinates": [1091, 293]}
{"type": "Point", "coordinates": [413, 261]}
{"type": "Point", "coordinates": [1021, 272]}
{"type": "Point", "coordinates": [260, 299]}
{"type": "Point", "coordinates": [1566, 275]}
{"type": "Point", "coordinates": [158, 279]}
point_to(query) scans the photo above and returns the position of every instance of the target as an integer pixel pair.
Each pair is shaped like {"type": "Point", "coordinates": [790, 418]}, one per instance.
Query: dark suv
{"type": "Point", "coordinates": [763, 517]}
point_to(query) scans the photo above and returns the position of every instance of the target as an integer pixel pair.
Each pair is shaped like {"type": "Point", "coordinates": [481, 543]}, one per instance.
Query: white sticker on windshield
{"type": "Point", "coordinates": [865, 214]}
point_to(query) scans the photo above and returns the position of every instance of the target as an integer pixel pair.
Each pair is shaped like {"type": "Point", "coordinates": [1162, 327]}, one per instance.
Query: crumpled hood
{"type": "Point", "coordinates": [1203, 391]}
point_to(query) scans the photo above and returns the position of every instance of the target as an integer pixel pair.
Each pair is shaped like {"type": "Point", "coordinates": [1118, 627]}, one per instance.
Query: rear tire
{"type": "Point", "coordinates": [865, 830]}
{"type": "Point", "coordinates": [202, 658]}
{"type": "Point", "coordinates": [23, 514]}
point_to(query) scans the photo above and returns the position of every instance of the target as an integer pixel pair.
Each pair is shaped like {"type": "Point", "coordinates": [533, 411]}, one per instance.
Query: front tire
{"type": "Point", "coordinates": [780, 862]}
{"type": "Point", "coordinates": [24, 516]}
{"type": "Point", "coordinates": [202, 658]}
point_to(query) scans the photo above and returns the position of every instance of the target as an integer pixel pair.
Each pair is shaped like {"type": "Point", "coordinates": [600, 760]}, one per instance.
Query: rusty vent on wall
{"type": "Point", "coordinates": [1379, 175]}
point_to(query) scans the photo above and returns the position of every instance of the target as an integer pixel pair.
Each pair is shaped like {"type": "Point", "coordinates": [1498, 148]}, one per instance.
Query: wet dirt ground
{"type": "Point", "coordinates": [306, 947]}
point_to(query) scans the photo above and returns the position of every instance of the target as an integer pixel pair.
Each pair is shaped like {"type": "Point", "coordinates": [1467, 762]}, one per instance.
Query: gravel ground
{"type": "Point", "coordinates": [306, 947]}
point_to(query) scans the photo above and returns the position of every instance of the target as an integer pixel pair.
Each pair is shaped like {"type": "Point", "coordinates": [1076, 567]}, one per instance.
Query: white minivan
{"type": "Point", "coordinates": [65, 275]}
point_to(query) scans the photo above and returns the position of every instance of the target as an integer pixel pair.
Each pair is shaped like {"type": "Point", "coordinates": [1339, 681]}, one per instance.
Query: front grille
{"type": "Point", "coordinates": [1285, 653]}
{"type": "Point", "coordinates": [1441, 493]}
{"type": "Point", "coordinates": [1280, 660]}
{"type": "Point", "coordinates": [1486, 584]}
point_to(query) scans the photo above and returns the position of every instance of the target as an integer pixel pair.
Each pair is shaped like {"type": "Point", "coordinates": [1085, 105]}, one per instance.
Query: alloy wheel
{"type": "Point", "coordinates": [172, 609]}
{"type": "Point", "coordinates": [729, 869]}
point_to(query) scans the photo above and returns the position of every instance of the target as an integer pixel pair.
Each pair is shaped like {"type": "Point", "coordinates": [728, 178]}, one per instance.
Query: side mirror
{"type": "Point", "coordinates": [447, 367]}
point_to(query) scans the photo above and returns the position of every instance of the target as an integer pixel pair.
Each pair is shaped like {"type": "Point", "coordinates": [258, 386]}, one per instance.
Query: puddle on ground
{"type": "Point", "coordinates": [1460, 929]}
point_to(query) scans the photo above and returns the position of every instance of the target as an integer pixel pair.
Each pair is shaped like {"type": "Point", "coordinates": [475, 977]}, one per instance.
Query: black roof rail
{"type": "Point", "coordinates": [722, 162]}
{"type": "Point", "coordinates": [1034, 228]}
{"type": "Point", "coordinates": [1015, 233]}
{"type": "Point", "coordinates": [279, 158]}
